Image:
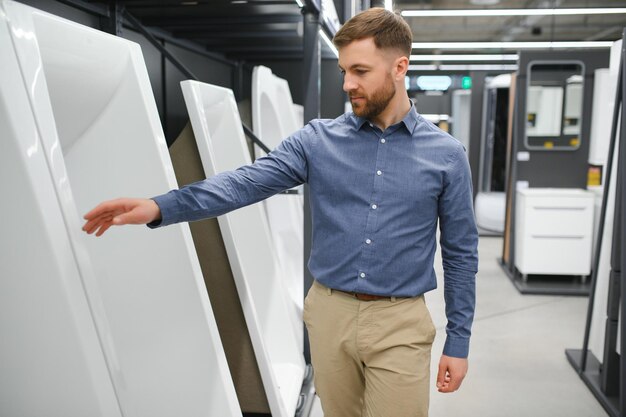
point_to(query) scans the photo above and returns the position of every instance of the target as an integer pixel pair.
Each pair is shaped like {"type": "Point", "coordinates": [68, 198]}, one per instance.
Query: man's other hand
{"type": "Point", "coordinates": [119, 212]}
{"type": "Point", "coordinates": [451, 373]}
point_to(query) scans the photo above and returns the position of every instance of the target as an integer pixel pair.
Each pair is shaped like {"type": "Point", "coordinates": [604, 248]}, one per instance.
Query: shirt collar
{"type": "Point", "coordinates": [410, 120]}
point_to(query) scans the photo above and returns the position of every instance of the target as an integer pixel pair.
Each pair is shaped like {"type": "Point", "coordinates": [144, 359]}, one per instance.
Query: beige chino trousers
{"type": "Point", "coordinates": [371, 358]}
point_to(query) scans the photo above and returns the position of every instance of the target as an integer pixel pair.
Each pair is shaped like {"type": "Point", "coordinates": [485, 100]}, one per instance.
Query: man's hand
{"type": "Point", "coordinates": [119, 212]}
{"type": "Point", "coordinates": [451, 373]}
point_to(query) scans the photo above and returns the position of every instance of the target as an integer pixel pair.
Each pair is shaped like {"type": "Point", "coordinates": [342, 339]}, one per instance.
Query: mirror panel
{"type": "Point", "coordinates": [554, 105]}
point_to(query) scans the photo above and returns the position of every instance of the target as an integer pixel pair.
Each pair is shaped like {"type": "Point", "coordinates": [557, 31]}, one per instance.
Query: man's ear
{"type": "Point", "coordinates": [401, 66]}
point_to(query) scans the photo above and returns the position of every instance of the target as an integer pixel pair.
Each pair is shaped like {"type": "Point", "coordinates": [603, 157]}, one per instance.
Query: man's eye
{"type": "Point", "coordinates": [360, 71]}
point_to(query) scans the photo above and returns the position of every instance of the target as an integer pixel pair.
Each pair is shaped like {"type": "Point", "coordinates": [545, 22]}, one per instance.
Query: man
{"type": "Point", "coordinates": [380, 179]}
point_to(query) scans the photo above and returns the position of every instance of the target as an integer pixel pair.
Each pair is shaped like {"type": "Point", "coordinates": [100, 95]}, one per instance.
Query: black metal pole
{"type": "Point", "coordinates": [155, 42]}
{"type": "Point", "coordinates": [312, 62]}
{"type": "Point", "coordinates": [605, 198]}
{"type": "Point", "coordinates": [186, 72]}
{"type": "Point", "coordinates": [622, 163]}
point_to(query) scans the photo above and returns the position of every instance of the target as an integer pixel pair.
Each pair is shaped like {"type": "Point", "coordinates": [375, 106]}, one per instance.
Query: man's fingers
{"type": "Point", "coordinates": [455, 382]}
{"type": "Point", "coordinates": [441, 375]}
{"type": "Point", "coordinates": [451, 383]}
{"type": "Point", "coordinates": [92, 225]}
{"type": "Point", "coordinates": [103, 228]}
{"type": "Point", "coordinates": [102, 208]}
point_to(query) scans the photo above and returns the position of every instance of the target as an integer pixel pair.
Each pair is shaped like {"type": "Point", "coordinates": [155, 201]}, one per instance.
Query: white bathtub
{"type": "Point", "coordinates": [261, 286]}
{"type": "Point", "coordinates": [118, 325]}
{"type": "Point", "coordinates": [274, 118]}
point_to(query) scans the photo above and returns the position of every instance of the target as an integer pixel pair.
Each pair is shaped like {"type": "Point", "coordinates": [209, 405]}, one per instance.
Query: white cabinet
{"type": "Point", "coordinates": [553, 231]}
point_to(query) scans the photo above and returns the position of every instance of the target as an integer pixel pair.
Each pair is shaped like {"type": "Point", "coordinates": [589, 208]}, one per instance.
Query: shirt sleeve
{"type": "Point", "coordinates": [459, 248]}
{"type": "Point", "coordinates": [283, 168]}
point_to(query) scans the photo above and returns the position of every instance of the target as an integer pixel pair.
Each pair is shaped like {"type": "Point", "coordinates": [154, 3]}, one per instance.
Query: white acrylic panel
{"type": "Point", "coordinates": [601, 116]}
{"type": "Point", "coordinates": [461, 109]}
{"type": "Point", "coordinates": [274, 118]}
{"type": "Point", "coordinates": [52, 362]}
{"type": "Point", "coordinates": [598, 320]}
{"type": "Point", "coordinates": [599, 313]}
{"type": "Point", "coordinates": [258, 276]}
{"type": "Point", "coordinates": [92, 102]}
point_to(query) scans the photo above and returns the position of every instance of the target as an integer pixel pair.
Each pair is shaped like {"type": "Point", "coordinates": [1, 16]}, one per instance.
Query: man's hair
{"type": "Point", "coordinates": [389, 30]}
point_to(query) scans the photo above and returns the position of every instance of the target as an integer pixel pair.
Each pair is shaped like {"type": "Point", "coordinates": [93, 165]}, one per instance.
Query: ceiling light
{"type": "Point", "coordinates": [477, 67]}
{"type": "Point", "coordinates": [329, 43]}
{"type": "Point", "coordinates": [476, 57]}
{"type": "Point", "coordinates": [389, 5]}
{"type": "Point", "coordinates": [512, 12]}
{"type": "Point", "coordinates": [299, 3]}
{"type": "Point", "coordinates": [511, 45]}
{"type": "Point", "coordinates": [463, 67]}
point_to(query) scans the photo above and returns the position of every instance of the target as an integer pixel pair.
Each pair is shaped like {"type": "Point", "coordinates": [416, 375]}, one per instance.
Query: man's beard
{"type": "Point", "coordinates": [377, 102]}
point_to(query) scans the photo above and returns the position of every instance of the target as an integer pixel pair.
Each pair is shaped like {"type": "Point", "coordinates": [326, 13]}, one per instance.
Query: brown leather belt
{"type": "Point", "coordinates": [365, 297]}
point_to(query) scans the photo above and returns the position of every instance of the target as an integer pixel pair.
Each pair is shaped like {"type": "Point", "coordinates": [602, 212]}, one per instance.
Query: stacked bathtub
{"type": "Point", "coordinates": [274, 118]}
{"type": "Point", "coordinates": [119, 325]}
{"type": "Point", "coordinates": [259, 278]}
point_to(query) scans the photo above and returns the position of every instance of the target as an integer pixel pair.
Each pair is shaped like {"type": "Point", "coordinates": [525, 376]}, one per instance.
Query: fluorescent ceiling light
{"type": "Point", "coordinates": [389, 5]}
{"type": "Point", "coordinates": [512, 12]}
{"type": "Point", "coordinates": [511, 45]}
{"type": "Point", "coordinates": [329, 43]}
{"type": "Point", "coordinates": [463, 67]}
{"type": "Point", "coordinates": [299, 3]}
{"type": "Point", "coordinates": [477, 67]}
{"type": "Point", "coordinates": [476, 57]}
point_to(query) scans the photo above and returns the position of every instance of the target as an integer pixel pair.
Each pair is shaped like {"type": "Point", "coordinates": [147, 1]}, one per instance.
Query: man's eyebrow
{"type": "Point", "coordinates": [356, 66]}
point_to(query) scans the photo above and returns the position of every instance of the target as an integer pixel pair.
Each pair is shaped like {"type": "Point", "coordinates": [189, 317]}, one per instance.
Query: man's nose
{"type": "Point", "coordinates": [348, 84]}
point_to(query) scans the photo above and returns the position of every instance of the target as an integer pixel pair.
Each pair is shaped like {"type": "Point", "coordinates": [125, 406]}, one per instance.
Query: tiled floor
{"type": "Point", "coordinates": [517, 360]}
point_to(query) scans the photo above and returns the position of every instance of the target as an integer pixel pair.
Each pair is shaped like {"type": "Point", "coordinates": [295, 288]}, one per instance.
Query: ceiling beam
{"type": "Point", "coordinates": [220, 20]}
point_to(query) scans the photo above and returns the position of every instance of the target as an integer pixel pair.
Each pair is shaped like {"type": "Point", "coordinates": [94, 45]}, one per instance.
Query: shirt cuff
{"type": "Point", "coordinates": [456, 347]}
{"type": "Point", "coordinates": [166, 203]}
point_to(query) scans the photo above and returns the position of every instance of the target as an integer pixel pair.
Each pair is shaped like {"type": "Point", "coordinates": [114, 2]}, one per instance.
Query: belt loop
{"type": "Point", "coordinates": [393, 299]}
{"type": "Point", "coordinates": [329, 291]}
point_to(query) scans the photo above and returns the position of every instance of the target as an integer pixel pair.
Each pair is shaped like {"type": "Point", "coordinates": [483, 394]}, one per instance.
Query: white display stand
{"type": "Point", "coordinates": [86, 130]}
{"type": "Point", "coordinates": [274, 118]}
{"type": "Point", "coordinates": [553, 231]}
{"type": "Point", "coordinates": [253, 259]}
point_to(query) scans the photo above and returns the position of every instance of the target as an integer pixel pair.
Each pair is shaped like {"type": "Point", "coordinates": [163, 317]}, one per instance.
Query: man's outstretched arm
{"type": "Point", "coordinates": [283, 168]}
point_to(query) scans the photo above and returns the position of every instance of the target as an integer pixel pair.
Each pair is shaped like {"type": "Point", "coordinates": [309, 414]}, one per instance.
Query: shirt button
{"type": "Point", "coordinates": [383, 140]}
{"type": "Point", "coordinates": [374, 206]}
{"type": "Point", "coordinates": [368, 241]}
{"type": "Point", "coordinates": [362, 274]}
{"type": "Point", "coordinates": [379, 172]}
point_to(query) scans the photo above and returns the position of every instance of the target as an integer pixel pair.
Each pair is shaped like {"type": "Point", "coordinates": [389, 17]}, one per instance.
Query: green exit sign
{"type": "Point", "coordinates": [466, 83]}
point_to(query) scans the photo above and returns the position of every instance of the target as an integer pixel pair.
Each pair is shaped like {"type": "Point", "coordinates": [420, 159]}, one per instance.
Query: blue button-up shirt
{"type": "Point", "coordinates": [376, 197]}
